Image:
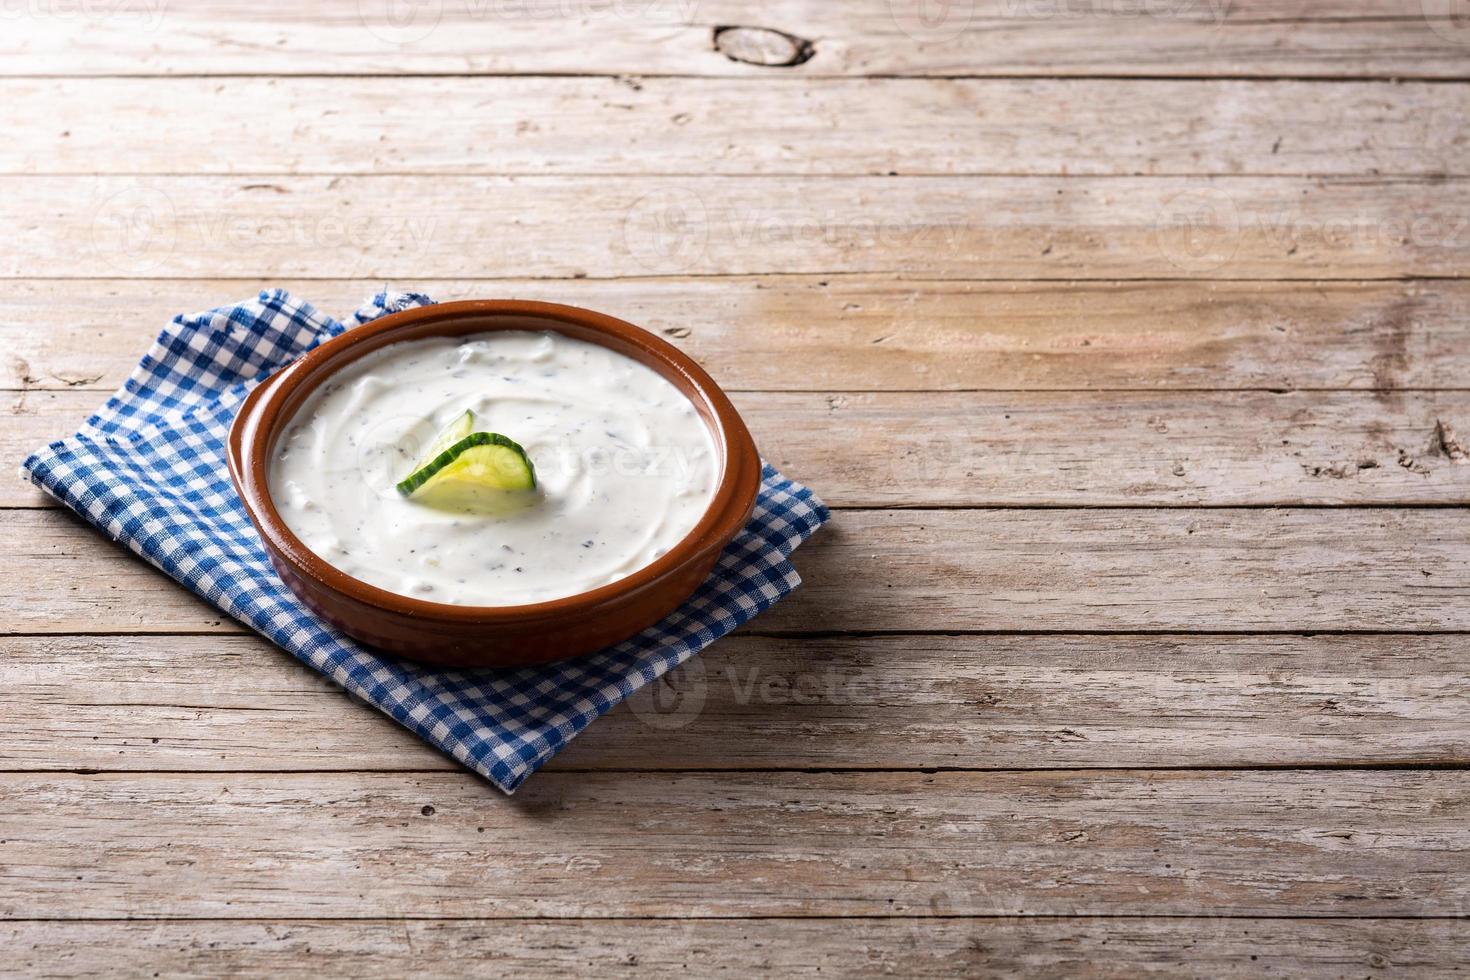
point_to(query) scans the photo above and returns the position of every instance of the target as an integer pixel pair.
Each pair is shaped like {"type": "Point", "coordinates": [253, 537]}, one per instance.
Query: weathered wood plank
{"type": "Point", "coordinates": [1113, 570]}
{"type": "Point", "coordinates": [921, 948]}
{"type": "Point", "coordinates": [190, 703]}
{"type": "Point", "coordinates": [1127, 569]}
{"type": "Point", "coordinates": [504, 125]}
{"type": "Point", "coordinates": [797, 844]}
{"type": "Point", "coordinates": [1380, 38]}
{"type": "Point", "coordinates": [850, 332]}
{"type": "Point", "coordinates": [1056, 449]}
{"type": "Point", "coordinates": [605, 226]}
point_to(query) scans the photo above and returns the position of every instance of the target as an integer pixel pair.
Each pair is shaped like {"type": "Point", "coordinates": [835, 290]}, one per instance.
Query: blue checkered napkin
{"type": "Point", "coordinates": [149, 471]}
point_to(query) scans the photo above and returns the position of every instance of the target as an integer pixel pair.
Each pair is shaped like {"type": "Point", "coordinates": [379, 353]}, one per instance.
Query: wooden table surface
{"type": "Point", "coordinates": [1129, 342]}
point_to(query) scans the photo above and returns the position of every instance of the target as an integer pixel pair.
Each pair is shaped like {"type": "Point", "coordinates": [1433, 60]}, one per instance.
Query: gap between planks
{"type": "Point", "coordinates": [758, 917]}
{"type": "Point", "coordinates": [1222, 78]}
{"type": "Point", "coordinates": [1141, 771]}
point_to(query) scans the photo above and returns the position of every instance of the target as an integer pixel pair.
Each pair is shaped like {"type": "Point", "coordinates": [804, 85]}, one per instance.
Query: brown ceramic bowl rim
{"type": "Point", "coordinates": [259, 423]}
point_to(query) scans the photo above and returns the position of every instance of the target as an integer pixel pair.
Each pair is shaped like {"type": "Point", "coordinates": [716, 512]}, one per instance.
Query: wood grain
{"type": "Point", "coordinates": [1072, 449]}
{"type": "Point", "coordinates": [228, 703]}
{"type": "Point", "coordinates": [948, 227]}
{"type": "Point", "coordinates": [850, 333]}
{"type": "Point", "coordinates": [1036, 268]}
{"type": "Point", "coordinates": [539, 126]}
{"type": "Point", "coordinates": [934, 570]}
{"type": "Point", "coordinates": [1250, 38]}
{"type": "Point", "coordinates": [1124, 948]}
{"type": "Point", "coordinates": [346, 845]}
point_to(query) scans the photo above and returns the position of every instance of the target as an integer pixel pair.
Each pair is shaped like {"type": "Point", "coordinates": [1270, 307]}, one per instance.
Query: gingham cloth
{"type": "Point", "coordinates": [148, 470]}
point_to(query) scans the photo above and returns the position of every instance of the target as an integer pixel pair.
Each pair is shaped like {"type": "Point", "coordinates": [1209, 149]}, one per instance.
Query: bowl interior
{"type": "Point", "coordinates": [270, 409]}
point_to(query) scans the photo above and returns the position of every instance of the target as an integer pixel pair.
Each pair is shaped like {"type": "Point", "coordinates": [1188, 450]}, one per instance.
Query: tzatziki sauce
{"type": "Point", "coordinates": [625, 467]}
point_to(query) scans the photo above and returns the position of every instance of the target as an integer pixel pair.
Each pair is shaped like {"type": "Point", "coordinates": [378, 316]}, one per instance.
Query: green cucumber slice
{"type": "Point", "coordinates": [482, 459]}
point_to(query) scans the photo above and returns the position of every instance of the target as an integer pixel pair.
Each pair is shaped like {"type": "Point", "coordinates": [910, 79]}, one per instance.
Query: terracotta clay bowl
{"type": "Point", "coordinates": [493, 635]}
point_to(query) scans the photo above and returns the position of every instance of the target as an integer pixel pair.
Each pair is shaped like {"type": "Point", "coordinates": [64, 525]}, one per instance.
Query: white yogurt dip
{"type": "Point", "coordinates": [625, 468]}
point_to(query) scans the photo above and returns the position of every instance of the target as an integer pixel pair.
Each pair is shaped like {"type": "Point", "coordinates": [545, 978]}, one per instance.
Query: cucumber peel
{"type": "Point", "coordinates": [478, 459]}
